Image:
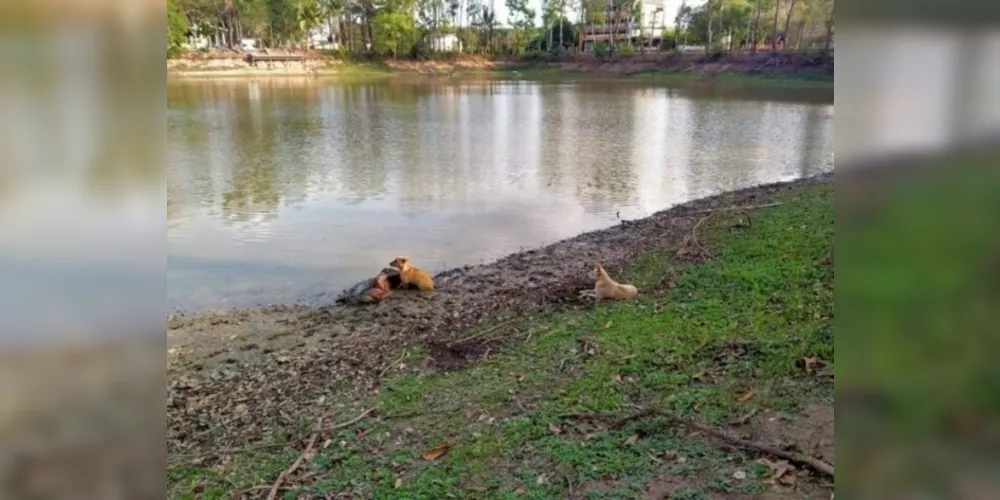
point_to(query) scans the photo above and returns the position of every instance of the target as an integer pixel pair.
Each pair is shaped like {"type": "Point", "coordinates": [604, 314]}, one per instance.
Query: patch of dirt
{"type": "Point", "coordinates": [810, 432]}
{"type": "Point", "coordinates": [668, 486]}
{"type": "Point", "coordinates": [239, 377]}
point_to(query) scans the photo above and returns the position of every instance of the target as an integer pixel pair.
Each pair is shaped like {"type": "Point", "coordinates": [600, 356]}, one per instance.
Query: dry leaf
{"type": "Point", "coordinates": [746, 397]}
{"type": "Point", "coordinates": [787, 479]}
{"type": "Point", "coordinates": [631, 440]}
{"type": "Point", "coordinates": [617, 378]}
{"type": "Point", "coordinates": [555, 428]}
{"type": "Point", "coordinates": [607, 325]}
{"type": "Point", "coordinates": [520, 491]}
{"type": "Point", "coordinates": [739, 474]}
{"type": "Point", "coordinates": [436, 452]}
{"type": "Point", "coordinates": [657, 460]}
{"type": "Point", "coordinates": [399, 482]}
{"type": "Point", "coordinates": [779, 469]}
{"type": "Point", "coordinates": [681, 459]}
{"type": "Point", "coordinates": [670, 455]}
{"type": "Point", "coordinates": [541, 479]}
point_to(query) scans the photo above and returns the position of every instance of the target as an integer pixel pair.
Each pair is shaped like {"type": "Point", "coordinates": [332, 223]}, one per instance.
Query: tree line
{"type": "Point", "coordinates": [408, 28]}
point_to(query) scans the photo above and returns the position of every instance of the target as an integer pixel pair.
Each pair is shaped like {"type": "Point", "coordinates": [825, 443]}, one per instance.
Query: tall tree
{"type": "Point", "coordinates": [521, 18]}
{"type": "Point", "coordinates": [774, 32]}
{"type": "Point", "coordinates": [829, 31]}
{"type": "Point", "coordinates": [788, 21]}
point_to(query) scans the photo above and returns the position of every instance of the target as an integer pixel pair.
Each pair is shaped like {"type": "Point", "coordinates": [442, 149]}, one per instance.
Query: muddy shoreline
{"type": "Point", "coordinates": [534, 279]}
{"type": "Point", "coordinates": [762, 64]}
{"type": "Point", "coordinates": [252, 372]}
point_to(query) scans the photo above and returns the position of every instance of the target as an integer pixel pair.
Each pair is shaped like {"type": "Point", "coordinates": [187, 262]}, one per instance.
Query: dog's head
{"type": "Point", "coordinates": [399, 262]}
{"type": "Point", "coordinates": [598, 271]}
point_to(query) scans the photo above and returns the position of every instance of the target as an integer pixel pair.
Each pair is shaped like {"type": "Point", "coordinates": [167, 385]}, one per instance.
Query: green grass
{"type": "Point", "coordinates": [731, 324]}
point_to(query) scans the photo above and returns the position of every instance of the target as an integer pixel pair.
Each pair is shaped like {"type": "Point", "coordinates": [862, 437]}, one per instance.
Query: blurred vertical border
{"type": "Point", "coordinates": [918, 249]}
{"type": "Point", "coordinates": [82, 249]}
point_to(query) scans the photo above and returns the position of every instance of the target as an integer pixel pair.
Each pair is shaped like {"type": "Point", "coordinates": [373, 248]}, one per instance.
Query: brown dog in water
{"type": "Point", "coordinates": [606, 287]}
{"type": "Point", "coordinates": [408, 274]}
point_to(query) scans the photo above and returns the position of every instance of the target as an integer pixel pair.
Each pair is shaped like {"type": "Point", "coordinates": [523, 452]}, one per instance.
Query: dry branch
{"type": "Point", "coordinates": [223, 451]}
{"type": "Point", "coordinates": [295, 465]}
{"type": "Point", "coordinates": [350, 422]}
{"type": "Point", "coordinates": [815, 464]}
{"type": "Point", "coordinates": [389, 366]}
{"type": "Point", "coordinates": [480, 334]}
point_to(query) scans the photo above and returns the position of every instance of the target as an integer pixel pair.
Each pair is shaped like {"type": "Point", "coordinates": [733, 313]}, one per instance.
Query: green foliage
{"type": "Point", "coordinates": [394, 32]}
{"type": "Point", "coordinates": [177, 27]}
{"type": "Point", "coordinates": [601, 48]}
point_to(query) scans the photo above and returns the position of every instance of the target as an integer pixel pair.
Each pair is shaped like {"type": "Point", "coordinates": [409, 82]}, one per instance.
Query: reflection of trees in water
{"type": "Point", "coordinates": [554, 150]}
{"type": "Point", "coordinates": [269, 137]}
{"type": "Point", "coordinates": [363, 174]}
{"type": "Point", "coordinates": [604, 175]}
{"type": "Point", "coordinates": [811, 160]}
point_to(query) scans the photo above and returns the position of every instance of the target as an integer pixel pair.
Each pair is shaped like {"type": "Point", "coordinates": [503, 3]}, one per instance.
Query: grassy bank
{"type": "Point", "coordinates": [716, 338]}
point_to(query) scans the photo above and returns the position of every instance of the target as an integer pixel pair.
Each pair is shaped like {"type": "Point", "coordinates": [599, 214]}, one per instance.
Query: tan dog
{"type": "Point", "coordinates": [607, 288]}
{"type": "Point", "coordinates": [412, 275]}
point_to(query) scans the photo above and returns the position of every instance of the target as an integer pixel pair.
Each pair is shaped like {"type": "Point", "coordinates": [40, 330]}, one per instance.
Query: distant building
{"type": "Point", "coordinates": [627, 26]}
{"type": "Point", "coordinates": [321, 37]}
{"type": "Point", "coordinates": [444, 42]}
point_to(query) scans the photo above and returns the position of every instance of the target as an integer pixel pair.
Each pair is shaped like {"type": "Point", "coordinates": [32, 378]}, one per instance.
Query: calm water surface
{"type": "Point", "coordinates": [285, 190]}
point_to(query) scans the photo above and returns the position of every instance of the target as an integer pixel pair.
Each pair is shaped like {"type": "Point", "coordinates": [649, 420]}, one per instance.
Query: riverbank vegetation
{"type": "Point", "coordinates": [732, 337]}
{"type": "Point", "coordinates": [424, 28]}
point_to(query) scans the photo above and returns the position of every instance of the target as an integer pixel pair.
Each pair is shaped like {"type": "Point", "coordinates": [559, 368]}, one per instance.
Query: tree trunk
{"type": "Point", "coordinates": [550, 37]}
{"type": "Point", "coordinates": [829, 33]}
{"type": "Point", "coordinates": [774, 35]}
{"type": "Point", "coordinates": [788, 21]}
{"type": "Point", "coordinates": [711, 18]}
{"type": "Point", "coordinates": [802, 34]}
{"type": "Point", "coordinates": [756, 29]}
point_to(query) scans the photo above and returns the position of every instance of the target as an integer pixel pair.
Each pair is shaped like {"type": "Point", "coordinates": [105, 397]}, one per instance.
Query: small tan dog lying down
{"type": "Point", "coordinates": [607, 288]}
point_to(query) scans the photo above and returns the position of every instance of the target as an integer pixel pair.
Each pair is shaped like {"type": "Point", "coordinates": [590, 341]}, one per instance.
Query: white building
{"type": "Point", "coordinates": [653, 19]}
{"type": "Point", "coordinates": [445, 42]}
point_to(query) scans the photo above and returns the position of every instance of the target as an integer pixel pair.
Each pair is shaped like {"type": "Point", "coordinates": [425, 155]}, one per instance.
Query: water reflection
{"type": "Point", "coordinates": [284, 189]}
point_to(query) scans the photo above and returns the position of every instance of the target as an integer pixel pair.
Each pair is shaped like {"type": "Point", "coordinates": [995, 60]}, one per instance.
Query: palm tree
{"type": "Point", "coordinates": [332, 10]}
{"type": "Point", "coordinates": [489, 21]}
{"type": "Point", "coordinates": [308, 15]}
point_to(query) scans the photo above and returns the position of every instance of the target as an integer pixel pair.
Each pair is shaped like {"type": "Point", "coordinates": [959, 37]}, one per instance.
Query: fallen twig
{"type": "Point", "coordinates": [296, 464]}
{"type": "Point", "coordinates": [349, 422]}
{"type": "Point", "coordinates": [481, 333]}
{"type": "Point", "coordinates": [736, 208]}
{"type": "Point", "coordinates": [817, 465]}
{"type": "Point", "coordinates": [389, 366]}
{"type": "Point", "coordinates": [245, 449]}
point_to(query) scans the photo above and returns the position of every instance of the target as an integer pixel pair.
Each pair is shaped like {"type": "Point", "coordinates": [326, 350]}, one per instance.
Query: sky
{"type": "Point", "coordinates": [670, 8]}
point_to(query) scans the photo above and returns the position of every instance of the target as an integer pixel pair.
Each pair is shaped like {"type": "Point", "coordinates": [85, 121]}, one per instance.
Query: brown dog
{"type": "Point", "coordinates": [605, 287]}
{"type": "Point", "coordinates": [408, 274]}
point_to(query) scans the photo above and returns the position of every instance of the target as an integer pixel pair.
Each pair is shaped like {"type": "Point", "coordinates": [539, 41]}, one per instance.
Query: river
{"type": "Point", "coordinates": [290, 189]}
